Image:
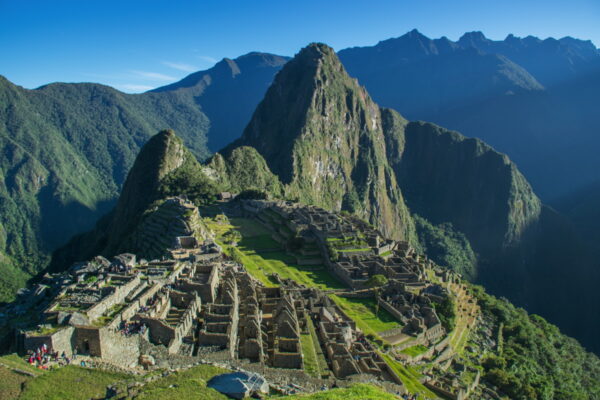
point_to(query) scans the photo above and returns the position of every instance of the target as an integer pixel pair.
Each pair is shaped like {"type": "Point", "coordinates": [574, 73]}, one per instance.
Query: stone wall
{"type": "Point", "coordinates": [120, 349]}
{"type": "Point", "coordinates": [158, 331]}
{"type": "Point", "coordinates": [88, 340]}
{"type": "Point", "coordinates": [61, 340]}
{"type": "Point", "coordinates": [287, 360]}
{"type": "Point", "coordinates": [118, 296]}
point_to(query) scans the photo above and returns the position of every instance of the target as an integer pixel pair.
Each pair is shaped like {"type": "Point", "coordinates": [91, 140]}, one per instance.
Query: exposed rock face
{"type": "Point", "coordinates": [322, 135]}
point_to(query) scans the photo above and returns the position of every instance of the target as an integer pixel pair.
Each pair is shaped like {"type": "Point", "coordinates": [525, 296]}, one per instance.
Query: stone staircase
{"type": "Point", "coordinates": [174, 316]}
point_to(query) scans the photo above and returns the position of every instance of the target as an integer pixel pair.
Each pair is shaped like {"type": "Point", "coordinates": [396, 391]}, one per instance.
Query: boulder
{"type": "Point", "coordinates": [63, 318]}
{"type": "Point", "coordinates": [147, 361]}
{"type": "Point", "coordinates": [78, 319]}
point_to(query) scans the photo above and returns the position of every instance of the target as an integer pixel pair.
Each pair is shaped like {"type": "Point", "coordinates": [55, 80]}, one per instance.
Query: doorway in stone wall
{"type": "Point", "coordinates": [86, 347]}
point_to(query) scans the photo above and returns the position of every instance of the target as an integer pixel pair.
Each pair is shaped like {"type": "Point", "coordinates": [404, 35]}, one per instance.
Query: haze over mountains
{"type": "Point", "coordinates": [317, 136]}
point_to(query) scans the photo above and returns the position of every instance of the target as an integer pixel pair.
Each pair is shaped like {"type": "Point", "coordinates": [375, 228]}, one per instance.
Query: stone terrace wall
{"type": "Point", "coordinates": [112, 299]}
{"type": "Point", "coordinates": [120, 349]}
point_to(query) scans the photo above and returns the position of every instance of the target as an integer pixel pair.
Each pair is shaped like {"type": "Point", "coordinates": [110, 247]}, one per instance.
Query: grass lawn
{"type": "Point", "coordinates": [323, 367]}
{"type": "Point", "coordinates": [11, 383]}
{"type": "Point", "coordinates": [71, 382]}
{"type": "Point", "coordinates": [311, 365]}
{"type": "Point", "coordinates": [255, 251]}
{"type": "Point", "coordinates": [260, 265]}
{"type": "Point", "coordinates": [183, 385]}
{"type": "Point", "coordinates": [362, 311]}
{"type": "Point", "coordinates": [355, 392]}
{"type": "Point", "coordinates": [414, 351]}
{"type": "Point", "coordinates": [410, 378]}
{"type": "Point", "coordinates": [14, 361]}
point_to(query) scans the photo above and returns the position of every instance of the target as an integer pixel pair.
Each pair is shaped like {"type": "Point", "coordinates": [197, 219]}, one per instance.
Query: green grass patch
{"type": "Point", "coordinates": [259, 242]}
{"type": "Point", "coordinates": [362, 311]}
{"type": "Point", "coordinates": [14, 361]}
{"type": "Point", "coordinates": [311, 365]}
{"type": "Point", "coordinates": [261, 264]}
{"type": "Point", "coordinates": [355, 392]}
{"type": "Point", "coordinates": [11, 383]}
{"type": "Point", "coordinates": [414, 351]}
{"type": "Point", "coordinates": [70, 383]}
{"type": "Point", "coordinates": [185, 384]}
{"type": "Point", "coordinates": [323, 367]}
{"type": "Point", "coordinates": [409, 377]}
{"type": "Point", "coordinates": [353, 250]}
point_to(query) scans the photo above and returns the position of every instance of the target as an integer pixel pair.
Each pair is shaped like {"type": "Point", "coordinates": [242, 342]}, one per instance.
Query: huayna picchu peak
{"type": "Point", "coordinates": [411, 219]}
{"type": "Point", "coordinates": [322, 135]}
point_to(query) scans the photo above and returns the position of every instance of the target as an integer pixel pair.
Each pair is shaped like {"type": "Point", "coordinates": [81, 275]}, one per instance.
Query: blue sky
{"type": "Point", "coordinates": [136, 45]}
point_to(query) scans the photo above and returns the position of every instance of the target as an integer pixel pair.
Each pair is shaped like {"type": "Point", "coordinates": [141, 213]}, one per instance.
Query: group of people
{"type": "Point", "coordinates": [42, 356]}
{"type": "Point", "coordinates": [131, 328]}
{"type": "Point", "coordinates": [120, 268]}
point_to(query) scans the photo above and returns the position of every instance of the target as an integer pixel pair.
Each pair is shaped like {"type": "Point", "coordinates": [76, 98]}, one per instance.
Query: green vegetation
{"type": "Point", "coordinates": [377, 280]}
{"type": "Point", "coordinates": [311, 364]}
{"type": "Point", "coordinates": [355, 392]}
{"type": "Point", "coordinates": [322, 363]}
{"type": "Point", "coordinates": [243, 170]}
{"type": "Point", "coordinates": [189, 180]}
{"type": "Point", "coordinates": [14, 361]}
{"type": "Point", "coordinates": [70, 383]}
{"type": "Point", "coordinates": [185, 384]}
{"type": "Point", "coordinates": [447, 247]}
{"type": "Point", "coordinates": [259, 253]}
{"type": "Point", "coordinates": [364, 313]}
{"type": "Point", "coordinates": [66, 150]}
{"type": "Point", "coordinates": [11, 383]}
{"type": "Point", "coordinates": [410, 378]}
{"type": "Point", "coordinates": [414, 351]}
{"type": "Point", "coordinates": [446, 311]}
{"type": "Point", "coordinates": [537, 361]}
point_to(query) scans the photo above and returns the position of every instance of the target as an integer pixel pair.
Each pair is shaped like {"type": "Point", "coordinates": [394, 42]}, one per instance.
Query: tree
{"type": "Point", "coordinates": [377, 281]}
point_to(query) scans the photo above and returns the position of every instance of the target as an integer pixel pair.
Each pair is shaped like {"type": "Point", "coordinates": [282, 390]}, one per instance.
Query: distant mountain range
{"type": "Point", "coordinates": [529, 98]}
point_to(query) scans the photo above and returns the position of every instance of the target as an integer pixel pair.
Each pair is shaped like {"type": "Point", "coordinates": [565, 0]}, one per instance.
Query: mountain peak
{"type": "Point", "coordinates": [309, 128]}
{"type": "Point", "coordinates": [315, 52]}
{"type": "Point", "coordinates": [161, 155]}
{"type": "Point", "coordinates": [472, 38]}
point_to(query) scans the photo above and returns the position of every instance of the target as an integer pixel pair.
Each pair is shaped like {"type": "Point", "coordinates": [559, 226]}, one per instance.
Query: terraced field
{"type": "Point", "coordinates": [466, 314]}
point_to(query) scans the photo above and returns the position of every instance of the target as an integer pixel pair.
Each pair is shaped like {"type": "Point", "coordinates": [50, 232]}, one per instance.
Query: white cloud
{"type": "Point", "coordinates": [130, 87]}
{"type": "Point", "coordinates": [207, 59]}
{"type": "Point", "coordinates": [154, 76]}
{"type": "Point", "coordinates": [180, 66]}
